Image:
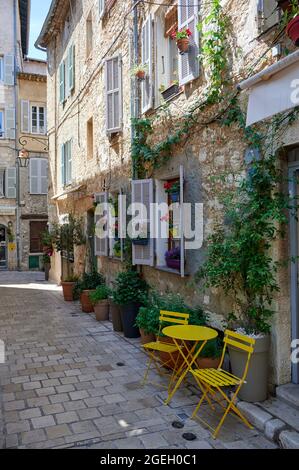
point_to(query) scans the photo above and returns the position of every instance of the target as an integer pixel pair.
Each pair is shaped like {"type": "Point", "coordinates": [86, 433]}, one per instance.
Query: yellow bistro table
{"type": "Point", "coordinates": [187, 339]}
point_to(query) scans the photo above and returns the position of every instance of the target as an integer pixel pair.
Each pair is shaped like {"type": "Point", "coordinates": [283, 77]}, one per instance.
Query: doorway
{"type": "Point", "coordinates": [3, 248]}
{"type": "Point", "coordinates": [294, 253]}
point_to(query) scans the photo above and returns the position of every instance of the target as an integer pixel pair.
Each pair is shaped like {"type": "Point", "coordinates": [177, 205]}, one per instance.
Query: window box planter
{"type": "Point", "coordinates": [173, 264]}
{"type": "Point", "coordinates": [171, 91]}
{"type": "Point", "coordinates": [293, 30]}
{"type": "Point", "coordinates": [140, 241]}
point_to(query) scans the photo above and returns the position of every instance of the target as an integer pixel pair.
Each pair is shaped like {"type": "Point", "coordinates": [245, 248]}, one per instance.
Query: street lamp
{"type": "Point", "coordinates": [23, 158]}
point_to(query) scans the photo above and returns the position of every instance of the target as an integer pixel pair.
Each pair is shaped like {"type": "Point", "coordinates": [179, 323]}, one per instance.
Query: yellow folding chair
{"type": "Point", "coordinates": [154, 349]}
{"type": "Point", "coordinates": [213, 381]}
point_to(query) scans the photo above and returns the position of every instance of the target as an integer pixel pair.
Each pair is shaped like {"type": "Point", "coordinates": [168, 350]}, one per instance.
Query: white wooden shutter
{"type": "Point", "coordinates": [44, 176]}
{"type": "Point", "coordinates": [25, 116]}
{"type": "Point", "coordinates": [63, 166]}
{"type": "Point", "coordinates": [122, 225]}
{"type": "Point", "coordinates": [101, 244]}
{"type": "Point", "coordinates": [11, 183]}
{"type": "Point", "coordinates": [188, 62]}
{"type": "Point", "coordinates": [147, 59]}
{"type": "Point", "coordinates": [101, 8]}
{"type": "Point", "coordinates": [143, 192]}
{"type": "Point", "coordinates": [71, 68]}
{"type": "Point", "coordinates": [113, 79]}
{"type": "Point", "coordinates": [10, 123]}
{"type": "Point", "coordinates": [182, 231]}
{"type": "Point", "coordinates": [2, 183]}
{"type": "Point", "coordinates": [9, 69]}
{"type": "Point", "coordinates": [268, 14]}
{"type": "Point", "coordinates": [62, 82]}
{"type": "Point", "coordinates": [68, 161]}
{"type": "Point", "coordinates": [34, 172]}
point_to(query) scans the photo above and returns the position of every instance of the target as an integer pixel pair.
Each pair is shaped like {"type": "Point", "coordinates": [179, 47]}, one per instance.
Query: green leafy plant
{"type": "Point", "coordinates": [72, 278]}
{"type": "Point", "coordinates": [89, 281]}
{"type": "Point", "coordinates": [183, 33]}
{"type": "Point", "coordinates": [139, 68]}
{"type": "Point", "coordinates": [291, 12]}
{"type": "Point", "coordinates": [128, 288]}
{"type": "Point", "coordinates": [102, 292]}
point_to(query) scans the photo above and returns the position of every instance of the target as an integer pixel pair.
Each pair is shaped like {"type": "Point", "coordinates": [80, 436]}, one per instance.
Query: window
{"type": "Point", "coordinates": [2, 127]}
{"type": "Point", "coordinates": [90, 139]}
{"type": "Point", "coordinates": [62, 94]}
{"type": "Point", "coordinates": [67, 75]}
{"type": "Point", "coordinates": [1, 69]}
{"type": "Point", "coordinates": [38, 119]}
{"type": "Point", "coordinates": [66, 163]}
{"type": "Point", "coordinates": [36, 230]}
{"type": "Point", "coordinates": [268, 15]}
{"type": "Point", "coordinates": [113, 73]}
{"type": "Point", "coordinates": [2, 183]}
{"type": "Point", "coordinates": [38, 172]}
{"type": "Point", "coordinates": [89, 35]}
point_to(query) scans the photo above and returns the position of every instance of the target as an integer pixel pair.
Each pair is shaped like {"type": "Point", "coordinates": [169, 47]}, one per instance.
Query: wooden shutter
{"type": "Point", "coordinates": [11, 183]}
{"type": "Point", "coordinates": [62, 82]}
{"type": "Point", "coordinates": [44, 176]}
{"type": "Point", "coordinates": [25, 116]}
{"type": "Point", "coordinates": [10, 123]}
{"type": "Point", "coordinates": [268, 14]}
{"type": "Point", "coordinates": [2, 183]}
{"type": "Point", "coordinates": [34, 172]}
{"type": "Point", "coordinates": [9, 70]}
{"type": "Point", "coordinates": [71, 68]}
{"type": "Point", "coordinates": [113, 73]}
{"type": "Point", "coordinates": [101, 244]}
{"type": "Point", "coordinates": [63, 166]}
{"type": "Point", "coordinates": [143, 192]}
{"type": "Point", "coordinates": [68, 161]}
{"type": "Point", "coordinates": [188, 18]}
{"type": "Point", "coordinates": [36, 230]}
{"type": "Point", "coordinates": [147, 59]}
{"type": "Point", "coordinates": [122, 224]}
{"type": "Point", "coordinates": [182, 231]}
{"type": "Point", "coordinates": [102, 8]}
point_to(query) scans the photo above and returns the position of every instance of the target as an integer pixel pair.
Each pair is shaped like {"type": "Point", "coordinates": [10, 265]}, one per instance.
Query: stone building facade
{"type": "Point", "coordinates": [81, 42]}
{"type": "Point", "coordinates": [23, 203]}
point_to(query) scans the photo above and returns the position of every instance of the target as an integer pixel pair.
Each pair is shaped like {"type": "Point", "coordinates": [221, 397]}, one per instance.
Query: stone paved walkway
{"type": "Point", "coordinates": [62, 385]}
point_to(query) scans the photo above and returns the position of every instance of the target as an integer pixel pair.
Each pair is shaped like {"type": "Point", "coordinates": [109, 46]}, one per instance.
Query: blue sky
{"type": "Point", "coordinates": [39, 10]}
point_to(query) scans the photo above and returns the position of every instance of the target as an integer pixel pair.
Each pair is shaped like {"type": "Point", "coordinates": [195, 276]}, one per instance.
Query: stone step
{"type": "Point", "coordinates": [289, 393]}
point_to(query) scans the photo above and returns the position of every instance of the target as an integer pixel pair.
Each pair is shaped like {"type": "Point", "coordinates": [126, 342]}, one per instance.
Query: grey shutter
{"type": "Point", "coordinates": [9, 70]}
{"type": "Point", "coordinates": [147, 59]}
{"type": "Point", "coordinates": [268, 14]}
{"type": "Point", "coordinates": [122, 226]}
{"type": "Point", "coordinates": [68, 159]}
{"type": "Point", "coordinates": [113, 79]}
{"type": "Point", "coordinates": [188, 18]}
{"type": "Point", "coordinates": [63, 166]}
{"type": "Point", "coordinates": [71, 68]}
{"type": "Point", "coordinates": [101, 8]}
{"type": "Point", "coordinates": [10, 123]}
{"type": "Point", "coordinates": [182, 231]}
{"type": "Point", "coordinates": [34, 172]}
{"type": "Point", "coordinates": [25, 116]}
{"type": "Point", "coordinates": [2, 183]}
{"type": "Point", "coordinates": [44, 176]}
{"type": "Point", "coordinates": [62, 82]}
{"type": "Point", "coordinates": [11, 183]}
{"type": "Point", "coordinates": [143, 192]}
{"type": "Point", "coordinates": [101, 244]}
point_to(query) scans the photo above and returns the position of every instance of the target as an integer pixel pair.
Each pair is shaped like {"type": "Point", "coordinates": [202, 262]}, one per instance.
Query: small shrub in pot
{"type": "Point", "coordinates": [68, 288]}
{"type": "Point", "coordinates": [100, 301]}
{"type": "Point", "coordinates": [89, 282]}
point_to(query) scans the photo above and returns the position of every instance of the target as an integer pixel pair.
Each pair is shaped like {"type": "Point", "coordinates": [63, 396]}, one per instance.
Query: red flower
{"type": "Point", "coordinates": [189, 32]}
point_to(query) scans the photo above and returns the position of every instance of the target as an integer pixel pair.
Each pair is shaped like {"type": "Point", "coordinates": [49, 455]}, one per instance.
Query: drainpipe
{"type": "Point", "coordinates": [16, 130]}
{"type": "Point", "coordinates": [134, 86]}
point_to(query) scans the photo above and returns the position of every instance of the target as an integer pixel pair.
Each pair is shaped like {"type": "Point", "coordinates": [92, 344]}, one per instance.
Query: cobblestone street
{"type": "Point", "coordinates": [69, 381]}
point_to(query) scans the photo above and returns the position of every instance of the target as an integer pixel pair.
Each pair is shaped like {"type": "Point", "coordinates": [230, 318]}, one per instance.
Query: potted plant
{"type": "Point", "coordinates": [83, 288]}
{"type": "Point", "coordinates": [68, 288]}
{"type": "Point", "coordinates": [47, 264]}
{"type": "Point", "coordinates": [100, 301]}
{"type": "Point", "coordinates": [211, 354]}
{"type": "Point", "coordinates": [148, 324]}
{"type": "Point", "coordinates": [173, 258]}
{"type": "Point", "coordinates": [182, 39]}
{"type": "Point", "coordinates": [284, 5]}
{"type": "Point", "coordinates": [139, 71]}
{"type": "Point", "coordinates": [173, 189]}
{"type": "Point", "coordinates": [291, 20]}
{"type": "Point", "coordinates": [128, 293]}
{"type": "Point", "coordinates": [239, 263]}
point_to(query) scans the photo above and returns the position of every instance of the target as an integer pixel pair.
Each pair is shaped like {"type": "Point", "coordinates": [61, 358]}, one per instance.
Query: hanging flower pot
{"type": "Point", "coordinates": [139, 71]}
{"type": "Point", "coordinates": [284, 5]}
{"type": "Point", "coordinates": [293, 30]}
{"type": "Point", "coordinates": [183, 45]}
{"type": "Point", "coordinates": [140, 74]}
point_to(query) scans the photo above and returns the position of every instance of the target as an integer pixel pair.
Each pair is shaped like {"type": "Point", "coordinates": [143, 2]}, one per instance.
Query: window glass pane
{"type": "Point", "coordinates": [34, 119]}
{"type": "Point", "coordinates": [1, 124]}
{"type": "Point", "coordinates": [1, 69]}
{"type": "Point", "coordinates": [41, 120]}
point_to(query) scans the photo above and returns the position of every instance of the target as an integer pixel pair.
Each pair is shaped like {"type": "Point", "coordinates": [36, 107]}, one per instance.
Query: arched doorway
{"type": "Point", "coordinates": [3, 247]}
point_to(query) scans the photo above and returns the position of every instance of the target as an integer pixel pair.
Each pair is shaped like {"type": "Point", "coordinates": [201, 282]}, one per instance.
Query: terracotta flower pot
{"type": "Point", "coordinates": [293, 30]}
{"type": "Point", "coordinates": [102, 310]}
{"type": "Point", "coordinates": [140, 74]}
{"type": "Point", "coordinates": [86, 304]}
{"type": "Point", "coordinates": [284, 5]}
{"type": "Point", "coordinates": [116, 317]}
{"type": "Point", "coordinates": [208, 362]}
{"type": "Point", "coordinates": [68, 288]}
{"type": "Point", "coordinates": [176, 361]}
{"type": "Point", "coordinates": [183, 45]}
{"type": "Point", "coordinates": [146, 338]}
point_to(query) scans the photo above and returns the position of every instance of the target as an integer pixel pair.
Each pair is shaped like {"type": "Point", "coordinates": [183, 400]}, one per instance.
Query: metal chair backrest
{"type": "Point", "coordinates": [240, 342]}
{"type": "Point", "coordinates": [172, 317]}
